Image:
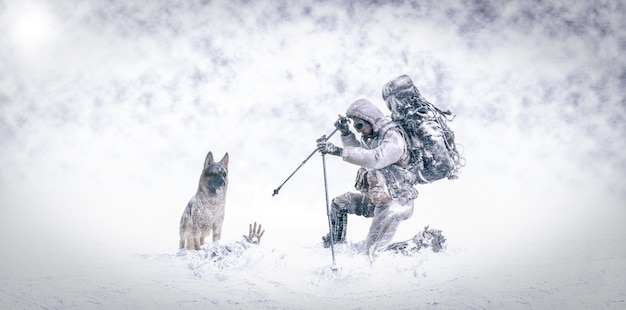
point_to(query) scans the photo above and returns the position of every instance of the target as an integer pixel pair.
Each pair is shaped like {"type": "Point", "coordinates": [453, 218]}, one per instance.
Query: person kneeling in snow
{"type": "Point", "coordinates": [385, 190]}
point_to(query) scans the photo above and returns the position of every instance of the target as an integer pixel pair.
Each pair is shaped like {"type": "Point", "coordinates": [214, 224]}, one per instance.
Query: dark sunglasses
{"type": "Point", "coordinates": [359, 125]}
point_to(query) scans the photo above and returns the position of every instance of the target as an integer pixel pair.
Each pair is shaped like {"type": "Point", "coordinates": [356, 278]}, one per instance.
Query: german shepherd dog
{"type": "Point", "coordinates": [204, 213]}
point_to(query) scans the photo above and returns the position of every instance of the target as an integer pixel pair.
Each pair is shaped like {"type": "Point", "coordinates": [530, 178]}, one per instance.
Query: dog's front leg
{"type": "Point", "coordinates": [217, 232]}
{"type": "Point", "coordinates": [198, 240]}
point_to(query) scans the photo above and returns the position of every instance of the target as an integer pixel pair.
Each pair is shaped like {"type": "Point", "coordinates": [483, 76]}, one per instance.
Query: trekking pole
{"type": "Point", "coordinates": [333, 267]}
{"type": "Point", "coordinates": [303, 162]}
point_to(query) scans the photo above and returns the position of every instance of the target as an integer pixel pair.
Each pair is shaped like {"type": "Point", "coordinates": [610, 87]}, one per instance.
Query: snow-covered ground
{"type": "Point", "coordinates": [107, 110]}
{"type": "Point", "coordinates": [300, 278]}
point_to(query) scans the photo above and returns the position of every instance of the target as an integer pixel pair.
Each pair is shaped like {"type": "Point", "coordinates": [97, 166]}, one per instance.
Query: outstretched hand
{"type": "Point", "coordinates": [255, 234]}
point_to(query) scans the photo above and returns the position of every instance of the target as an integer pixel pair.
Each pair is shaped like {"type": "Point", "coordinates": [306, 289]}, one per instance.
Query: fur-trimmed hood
{"type": "Point", "coordinates": [364, 109]}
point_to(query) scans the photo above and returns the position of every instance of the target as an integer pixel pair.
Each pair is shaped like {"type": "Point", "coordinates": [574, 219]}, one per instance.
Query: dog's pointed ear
{"type": "Point", "coordinates": [209, 159]}
{"type": "Point", "coordinates": [224, 160]}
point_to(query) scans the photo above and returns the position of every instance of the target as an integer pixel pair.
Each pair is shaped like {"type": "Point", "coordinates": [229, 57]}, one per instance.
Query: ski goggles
{"type": "Point", "coordinates": [358, 125]}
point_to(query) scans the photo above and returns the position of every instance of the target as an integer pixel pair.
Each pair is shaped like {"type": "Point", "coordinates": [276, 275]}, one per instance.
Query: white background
{"type": "Point", "coordinates": [107, 110]}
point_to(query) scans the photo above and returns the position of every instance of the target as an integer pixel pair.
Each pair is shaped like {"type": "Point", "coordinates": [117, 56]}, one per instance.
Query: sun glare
{"type": "Point", "coordinates": [32, 26]}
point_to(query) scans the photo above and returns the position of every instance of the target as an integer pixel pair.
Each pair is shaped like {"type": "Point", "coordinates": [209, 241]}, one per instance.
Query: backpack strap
{"type": "Point", "coordinates": [398, 173]}
{"type": "Point", "coordinates": [404, 160]}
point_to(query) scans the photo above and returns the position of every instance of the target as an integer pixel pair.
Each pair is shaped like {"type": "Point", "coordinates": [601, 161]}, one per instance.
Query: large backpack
{"type": "Point", "coordinates": [430, 142]}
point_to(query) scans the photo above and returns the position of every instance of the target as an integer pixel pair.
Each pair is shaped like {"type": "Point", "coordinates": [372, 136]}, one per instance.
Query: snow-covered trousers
{"type": "Point", "coordinates": [386, 218]}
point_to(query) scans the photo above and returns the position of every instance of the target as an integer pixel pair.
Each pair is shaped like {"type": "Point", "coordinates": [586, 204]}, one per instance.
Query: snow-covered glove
{"type": "Point", "coordinates": [328, 148]}
{"type": "Point", "coordinates": [342, 124]}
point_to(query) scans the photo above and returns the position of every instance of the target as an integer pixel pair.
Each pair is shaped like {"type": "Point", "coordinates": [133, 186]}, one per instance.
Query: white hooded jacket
{"type": "Point", "coordinates": [384, 148]}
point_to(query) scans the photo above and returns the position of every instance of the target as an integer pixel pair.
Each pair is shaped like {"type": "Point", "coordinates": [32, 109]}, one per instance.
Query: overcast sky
{"type": "Point", "coordinates": [107, 110]}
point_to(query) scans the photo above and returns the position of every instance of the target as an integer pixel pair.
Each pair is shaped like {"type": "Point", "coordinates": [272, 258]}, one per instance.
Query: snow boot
{"type": "Point", "coordinates": [339, 223]}
{"type": "Point", "coordinates": [435, 237]}
{"type": "Point", "coordinates": [428, 238]}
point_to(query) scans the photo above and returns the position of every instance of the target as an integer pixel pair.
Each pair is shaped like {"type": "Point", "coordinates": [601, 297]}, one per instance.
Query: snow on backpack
{"type": "Point", "coordinates": [432, 150]}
